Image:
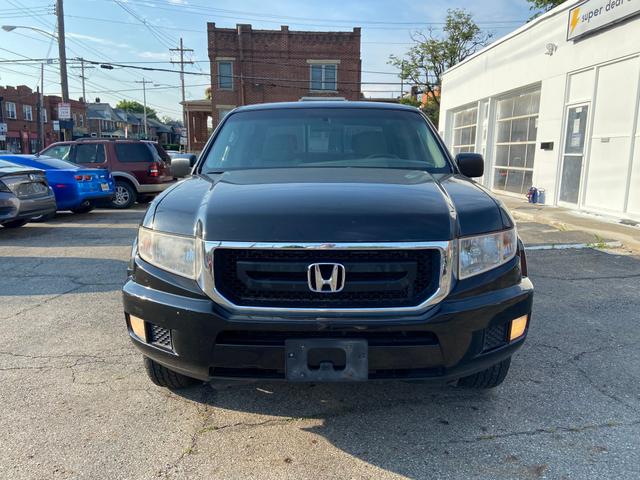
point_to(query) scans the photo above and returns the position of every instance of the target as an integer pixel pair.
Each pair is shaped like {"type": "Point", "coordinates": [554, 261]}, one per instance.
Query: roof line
{"type": "Point", "coordinates": [551, 13]}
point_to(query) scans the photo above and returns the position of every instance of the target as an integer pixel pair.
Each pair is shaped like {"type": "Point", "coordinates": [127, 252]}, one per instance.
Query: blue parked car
{"type": "Point", "coordinates": [76, 188]}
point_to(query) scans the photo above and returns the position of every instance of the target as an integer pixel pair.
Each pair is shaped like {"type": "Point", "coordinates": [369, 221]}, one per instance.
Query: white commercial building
{"type": "Point", "coordinates": [556, 105]}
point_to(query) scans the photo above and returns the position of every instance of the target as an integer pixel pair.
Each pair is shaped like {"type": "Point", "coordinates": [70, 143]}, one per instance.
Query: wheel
{"type": "Point", "coordinates": [144, 198]}
{"type": "Point", "coordinates": [163, 377]}
{"type": "Point", "coordinates": [43, 218]}
{"type": "Point", "coordinates": [489, 378]}
{"type": "Point", "coordinates": [84, 208]}
{"type": "Point", "coordinates": [125, 195]}
{"type": "Point", "coordinates": [15, 223]}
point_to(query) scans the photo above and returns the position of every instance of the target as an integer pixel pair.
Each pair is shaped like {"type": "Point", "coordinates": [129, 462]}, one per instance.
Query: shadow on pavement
{"type": "Point", "coordinates": [397, 426]}
{"type": "Point", "coordinates": [49, 275]}
{"type": "Point", "coordinates": [50, 236]}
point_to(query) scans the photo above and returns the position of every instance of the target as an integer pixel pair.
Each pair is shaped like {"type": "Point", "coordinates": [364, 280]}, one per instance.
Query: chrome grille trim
{"type": "Point", "coordinates": [206, 279]}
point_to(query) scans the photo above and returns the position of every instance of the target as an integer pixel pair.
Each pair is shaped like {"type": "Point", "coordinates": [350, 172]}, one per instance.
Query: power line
{"type": "Point", "coordinates": [194, 8]}
{"type": "Point", "coordinates": [153, 29]}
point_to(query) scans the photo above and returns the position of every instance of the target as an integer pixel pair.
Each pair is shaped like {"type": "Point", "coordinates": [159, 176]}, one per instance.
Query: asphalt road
{"type": "Point", "coordinates": [75, 402]}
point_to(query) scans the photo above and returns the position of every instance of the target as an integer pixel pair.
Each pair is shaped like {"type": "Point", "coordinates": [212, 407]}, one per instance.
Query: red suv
{"type": "Point", "coordinates": [140, 169]}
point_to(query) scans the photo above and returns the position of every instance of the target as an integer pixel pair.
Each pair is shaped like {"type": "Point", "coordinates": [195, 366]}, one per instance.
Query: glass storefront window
{"type": "Point", "coordinates": [517, 130]}
{"type": "Point", "coordinates": [464, 130]}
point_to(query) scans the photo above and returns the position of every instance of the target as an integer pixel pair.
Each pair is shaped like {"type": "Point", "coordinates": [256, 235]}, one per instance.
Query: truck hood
{"type": "Point", "coordinates": [326, 205]}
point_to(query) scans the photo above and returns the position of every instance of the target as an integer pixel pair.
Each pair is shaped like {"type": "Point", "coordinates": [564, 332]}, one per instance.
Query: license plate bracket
{"type": "Point", "coordinates": [356, 367]}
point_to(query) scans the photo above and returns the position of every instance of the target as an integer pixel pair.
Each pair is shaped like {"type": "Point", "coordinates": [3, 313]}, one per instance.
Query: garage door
{"type": "Point", "coordinates": [611, 139]}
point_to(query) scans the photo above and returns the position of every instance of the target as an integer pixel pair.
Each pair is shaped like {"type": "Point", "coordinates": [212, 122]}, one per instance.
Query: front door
{"type": "Point", "coordinates": [573, 154]}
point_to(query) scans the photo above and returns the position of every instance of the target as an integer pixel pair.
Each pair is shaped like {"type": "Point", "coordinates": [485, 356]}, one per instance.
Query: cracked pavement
{"type": "Point", "coordinates": [76, 403]}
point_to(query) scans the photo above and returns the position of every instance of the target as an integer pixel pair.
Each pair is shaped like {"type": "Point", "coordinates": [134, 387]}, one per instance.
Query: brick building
{"type": "Point", "coordinates": [19, 112]}
{"type": "Point", "coordinates": [19, 109]}
{"type": "Point", "coordinates": [256, 66]}
{"type": "Point", "coordinates": [78, 116]}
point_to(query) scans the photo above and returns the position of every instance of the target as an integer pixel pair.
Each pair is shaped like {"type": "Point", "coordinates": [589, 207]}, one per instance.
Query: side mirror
{"type": "Point", "coordinates": [470, 164]}
{"type": "Point", "coordinates": [180, 167]}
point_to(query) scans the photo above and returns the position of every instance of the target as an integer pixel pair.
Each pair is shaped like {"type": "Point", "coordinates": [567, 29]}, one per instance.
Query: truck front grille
{"type": "Point", "coordinates": [384, 278]}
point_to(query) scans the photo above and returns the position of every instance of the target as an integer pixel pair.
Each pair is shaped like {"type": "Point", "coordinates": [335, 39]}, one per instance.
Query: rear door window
{"type": "Point", "coordinates": [133, 153]}
{"type": "Point", "coordinates": [89, 153]}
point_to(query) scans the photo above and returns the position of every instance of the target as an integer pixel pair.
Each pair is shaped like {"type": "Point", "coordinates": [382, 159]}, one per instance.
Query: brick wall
{"type": "Point", "coordinates": [22, 134]}
{"type": "Point", "coordinates": [275, 65]}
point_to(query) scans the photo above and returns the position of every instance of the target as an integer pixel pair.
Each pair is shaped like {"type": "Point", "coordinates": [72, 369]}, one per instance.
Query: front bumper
{"type": "Point", "coordinates": [446, 342]}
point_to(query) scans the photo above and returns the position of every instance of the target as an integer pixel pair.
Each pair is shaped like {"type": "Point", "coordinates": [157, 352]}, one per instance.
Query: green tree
{"type": "Point", "coordinates": [136, 107]}
{"type": "Point", "coordinates": [541, 6]}
{"type": "Point", "coordinates": [433, 54]}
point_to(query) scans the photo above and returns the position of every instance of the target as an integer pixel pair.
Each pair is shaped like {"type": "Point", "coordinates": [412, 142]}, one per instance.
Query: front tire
{"type": "Point", "coordinates": [15, 223]}
{"type": "Point", "coordinates": [163, 377]}
{"type": "Point", "coordinates": [489, 378]}
{"type": "Point", "coordinates": [125, 196]}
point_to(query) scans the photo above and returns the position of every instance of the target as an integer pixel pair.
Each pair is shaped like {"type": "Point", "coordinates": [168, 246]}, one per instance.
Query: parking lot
{"type": "Point", "coordinates": [75, 401]}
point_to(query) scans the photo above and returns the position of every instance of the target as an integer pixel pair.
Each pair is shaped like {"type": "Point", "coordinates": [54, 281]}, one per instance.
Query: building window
{"type": "Point", "coordinates": [11, 110]}
{"type": "Point", "coordinates": [517, 129]}
{"type": "Point", "coordinates": [81, 120]}
{"type": "Point", "coordinates": [324, 77]}
{"type": "Point", "coordinates": [75, 119]}
{"type": "Point", "coordinates": [27, 112]}
{"type": "Point", "coordinates": [464, 130]}
{"type": "Point", "coordinates": [225, 75]}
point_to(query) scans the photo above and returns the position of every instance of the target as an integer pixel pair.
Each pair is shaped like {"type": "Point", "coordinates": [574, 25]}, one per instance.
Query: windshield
{"type": "Point", "coordinates": [326, 137]}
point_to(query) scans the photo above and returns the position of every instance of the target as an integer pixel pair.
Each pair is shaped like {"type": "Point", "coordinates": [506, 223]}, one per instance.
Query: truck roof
{"type": "Point", "coordinates": [326, 104]}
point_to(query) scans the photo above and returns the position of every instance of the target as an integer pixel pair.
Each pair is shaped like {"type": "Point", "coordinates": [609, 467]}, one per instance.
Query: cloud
{"type": "Point", "coordinates": [154, 55]}
{"type": "Point", "coordinates": [101, 41]}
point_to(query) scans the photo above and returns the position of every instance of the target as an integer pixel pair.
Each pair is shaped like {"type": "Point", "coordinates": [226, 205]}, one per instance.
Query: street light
{"type": "Point", "coordinates": [62, 53]}
{"type": "Point", "coordinates": [41, 134]}
{"type": "Point", "coordinates": [11, 28]}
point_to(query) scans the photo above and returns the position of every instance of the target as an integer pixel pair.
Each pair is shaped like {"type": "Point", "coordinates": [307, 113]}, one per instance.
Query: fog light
{"type": "Point", "coordinates": [137, 325]}
{"type": "Point", "coordinates": [518, 326]}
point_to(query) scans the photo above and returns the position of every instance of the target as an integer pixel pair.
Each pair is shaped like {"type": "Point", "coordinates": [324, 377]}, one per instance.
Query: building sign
{"type": "Point", "coordinates": [64, 111]}
{"type": "Point", "coordinates": [593, 15]}
{"type": "Point", "coordinates": [3, 128]}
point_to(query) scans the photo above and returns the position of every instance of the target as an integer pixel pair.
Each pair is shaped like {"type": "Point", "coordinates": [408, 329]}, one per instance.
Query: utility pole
{"type": "Point", "coordinates": [182, 62]}
{"type": "Point", "coordinates": [39, 117]}
{"type": "Point", "coordinates": [41, 136]}
{"type": "Point", "coordinates": [62, 54]}
{"type": "Point", "coordinates": [82, 68]}
{"type": "Point", "coordinates": [402, 79]}
{"type": "Point", "coordinates": [144, 82]}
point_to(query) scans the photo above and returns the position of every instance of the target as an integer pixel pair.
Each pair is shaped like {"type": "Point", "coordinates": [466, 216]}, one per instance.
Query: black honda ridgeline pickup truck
{"type": "Point", "coordinates": [328, 241]}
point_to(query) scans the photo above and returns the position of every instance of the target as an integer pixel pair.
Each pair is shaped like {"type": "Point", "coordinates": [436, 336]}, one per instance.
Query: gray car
{"type": "Point", "coordinates": [24, 194]}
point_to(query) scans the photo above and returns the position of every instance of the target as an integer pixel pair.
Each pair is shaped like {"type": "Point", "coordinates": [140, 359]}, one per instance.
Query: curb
{"type": "Point", "coordinates": [575, 246]}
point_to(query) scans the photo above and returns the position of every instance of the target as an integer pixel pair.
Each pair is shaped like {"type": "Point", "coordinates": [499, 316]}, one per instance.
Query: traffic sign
{"type": "Point", "coordinates": [64, 111]}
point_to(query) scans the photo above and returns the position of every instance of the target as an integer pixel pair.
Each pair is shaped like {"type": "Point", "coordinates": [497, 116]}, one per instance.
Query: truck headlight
{"type": "Point", "coordinates": [174, 253]}
{"type": "Point", "coordinates": [482, 253]}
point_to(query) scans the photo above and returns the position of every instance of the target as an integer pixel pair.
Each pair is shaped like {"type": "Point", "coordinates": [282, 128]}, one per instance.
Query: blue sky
{"type": "Point", "coordinates": [103, 30]}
